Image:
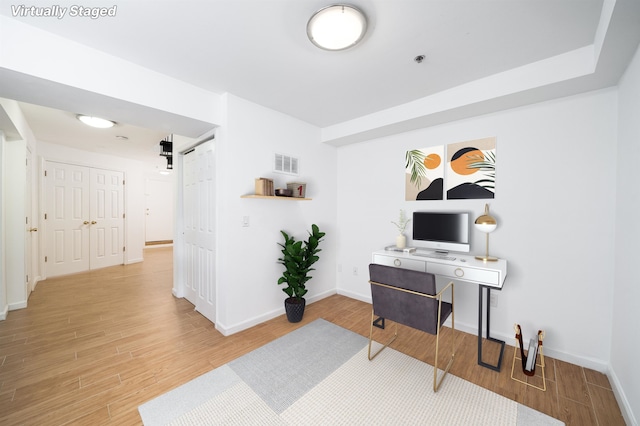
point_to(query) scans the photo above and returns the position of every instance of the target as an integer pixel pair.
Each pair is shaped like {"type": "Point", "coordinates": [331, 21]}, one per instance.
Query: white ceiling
{"type": "Point", "coordinates": [258, 49]}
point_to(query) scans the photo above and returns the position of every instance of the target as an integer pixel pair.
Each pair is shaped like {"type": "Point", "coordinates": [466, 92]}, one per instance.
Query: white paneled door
{"type": "Point", "coordinates": [199, 228]}
{"type": "Point", "coordinates": [83, 218]}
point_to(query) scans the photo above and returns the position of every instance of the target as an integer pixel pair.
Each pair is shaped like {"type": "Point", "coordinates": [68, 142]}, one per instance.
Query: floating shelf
{"type": "Point", "coordinates": [271, 197]}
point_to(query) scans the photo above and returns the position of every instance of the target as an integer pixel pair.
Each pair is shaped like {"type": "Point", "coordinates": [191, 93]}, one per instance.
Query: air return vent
{"type": "Point", "coordinates": [286, 164]}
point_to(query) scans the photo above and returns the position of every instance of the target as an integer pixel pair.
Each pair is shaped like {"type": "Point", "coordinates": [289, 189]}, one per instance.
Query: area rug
{"type": "Point", "coordinates": [319, 374]}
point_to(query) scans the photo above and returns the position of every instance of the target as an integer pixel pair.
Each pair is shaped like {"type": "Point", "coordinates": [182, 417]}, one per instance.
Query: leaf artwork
{"type": "Point", "coordinates": [486, 163]}
{"type": "Point", "coordinates": [414, 160]}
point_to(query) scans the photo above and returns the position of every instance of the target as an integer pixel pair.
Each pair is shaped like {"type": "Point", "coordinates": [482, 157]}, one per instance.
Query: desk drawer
{"type": "Point", "coordinates": [414, 265]}
{"type": "Point", "coordinates": [480, 276]}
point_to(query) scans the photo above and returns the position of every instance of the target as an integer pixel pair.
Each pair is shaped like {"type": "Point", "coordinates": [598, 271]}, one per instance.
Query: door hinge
{"type": "Point", "coordinates": [26, 220]}
{"type": "Point", "coordinates": [124, 249]}
{"type": "Point", "coordinates": [27, 279]}
{"type": "Point", "coordinates": [45, 259]}
{"type": "Point", "coordinates": [123, 215]}
{"type": "Point", "coordinates": [123, 181]}
{"type": "Point", "coordinates": [45, 216]}
{"type": "Point", "coordinates": [45, 173]}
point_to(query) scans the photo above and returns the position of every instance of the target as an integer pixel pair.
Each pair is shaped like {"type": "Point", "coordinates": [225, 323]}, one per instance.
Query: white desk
{"type": "Point", "coordinates": [465, 268]}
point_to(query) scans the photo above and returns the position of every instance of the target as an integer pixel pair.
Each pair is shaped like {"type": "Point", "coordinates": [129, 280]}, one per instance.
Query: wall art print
{"type": "Point", "coordinates": [471, 169]}
{"type": "Point", "coordinates": [467, 171]}
{"type": "Point", "coordinates": [424, 174]}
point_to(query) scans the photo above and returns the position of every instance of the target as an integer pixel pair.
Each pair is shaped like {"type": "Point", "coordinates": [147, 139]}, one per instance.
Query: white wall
{"type": "Point", "coordinates": [247, 256]}
{"type": "Point", "coordinates": [555, 176]}
{"type": "Point", "coordinates": [4, 306]}
{"type": "Point", "coordinates": [14, 289]}
{"type": "Point", "coordinates": [134, 188]}
{"type": "Point", "coordinates": [15, 152]}
{"type": "Point", "coordinates": [625, 344]}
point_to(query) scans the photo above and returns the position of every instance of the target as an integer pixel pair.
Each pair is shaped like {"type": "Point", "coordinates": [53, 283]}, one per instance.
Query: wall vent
{"type": "Point", "coordinates": [285, 164]}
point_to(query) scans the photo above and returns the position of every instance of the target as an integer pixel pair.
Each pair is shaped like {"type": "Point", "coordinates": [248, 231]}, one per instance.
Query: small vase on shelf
{"type": "Point", "coordinates": [401, 241]}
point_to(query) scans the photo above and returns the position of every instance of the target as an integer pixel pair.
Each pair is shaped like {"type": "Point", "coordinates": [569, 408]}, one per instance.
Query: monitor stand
{"type": "Point", "coordinates": [442, 252]}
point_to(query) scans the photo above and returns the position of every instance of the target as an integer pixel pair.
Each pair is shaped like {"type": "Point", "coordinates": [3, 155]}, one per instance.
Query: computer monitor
{"type": "Point", "coordinates": [442, 231]}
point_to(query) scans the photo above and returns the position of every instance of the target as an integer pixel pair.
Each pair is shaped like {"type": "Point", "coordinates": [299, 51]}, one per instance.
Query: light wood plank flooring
{"type": "Point", "coordinates": [92, 347]}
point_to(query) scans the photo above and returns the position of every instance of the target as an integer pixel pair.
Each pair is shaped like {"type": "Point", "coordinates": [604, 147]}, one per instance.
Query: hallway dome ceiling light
{"type": "Point", "coordinates": [337, 27]}
{"type": "Point", "coordinates": [97, 122]}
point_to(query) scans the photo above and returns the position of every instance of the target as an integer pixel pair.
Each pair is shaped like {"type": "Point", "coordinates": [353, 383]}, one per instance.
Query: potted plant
{"type": "Point", "coordinates": [297, 258]}
{"type": "Point", "coordinates": [401, 224]}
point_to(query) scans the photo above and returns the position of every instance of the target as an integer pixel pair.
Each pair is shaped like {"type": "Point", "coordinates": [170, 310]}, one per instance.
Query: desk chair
{"type": "Point", "coordinates": [409, 298]}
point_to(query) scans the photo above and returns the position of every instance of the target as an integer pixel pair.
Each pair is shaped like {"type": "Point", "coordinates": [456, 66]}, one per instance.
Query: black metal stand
{"type": "Point", "coordinates": [379, 322]}
{"type": "Point", "coordinates": [497, 366]}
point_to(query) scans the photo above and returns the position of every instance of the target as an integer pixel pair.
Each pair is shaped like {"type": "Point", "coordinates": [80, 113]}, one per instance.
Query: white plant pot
{"type": "Point", "coordinates": [401, 241]}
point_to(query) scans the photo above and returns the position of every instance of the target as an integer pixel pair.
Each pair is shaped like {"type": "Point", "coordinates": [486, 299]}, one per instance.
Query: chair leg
{"type": "Point", "coordinates": [395, 334]}
{"type": "Point", "coordinates": [436, 382]}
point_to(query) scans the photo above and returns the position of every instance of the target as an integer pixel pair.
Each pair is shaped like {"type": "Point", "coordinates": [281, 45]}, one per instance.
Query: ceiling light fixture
{"type": "Point", "coordinates": [98, 122]}
{"type": "Point", "coordinates": [337, 27]}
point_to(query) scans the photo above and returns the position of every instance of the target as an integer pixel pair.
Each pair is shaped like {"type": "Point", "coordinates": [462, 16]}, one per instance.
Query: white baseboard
{"type": "Point", "coordinates": [4, 313]}
{"type": "Point", "coordinates": [18, 305]}
{"type": "Point", "coordinates": [621, 397]}
{"type": "Point", "coordinates": [229, 330]}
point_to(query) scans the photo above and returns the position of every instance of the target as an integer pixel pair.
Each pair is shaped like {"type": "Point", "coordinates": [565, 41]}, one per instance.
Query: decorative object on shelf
{"type": "Point", "coordinates": [281, 192]}
{"type": "Point", "coordinates": [297, 258]}
{"type": "Point", "coordinates": [401, 224]}
{"type": "Point", "coordinates": [487, 224]}
{"type": "Point", "coordinates": [264, 186]}
{"type": "Point", "coordinates": [529, 360]}
{"type": "Point", "coordinates": [299, 188]}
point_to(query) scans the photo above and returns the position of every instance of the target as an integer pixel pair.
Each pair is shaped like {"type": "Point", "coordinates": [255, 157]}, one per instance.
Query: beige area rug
{"type": "Point", "coordinates": [320, 375]}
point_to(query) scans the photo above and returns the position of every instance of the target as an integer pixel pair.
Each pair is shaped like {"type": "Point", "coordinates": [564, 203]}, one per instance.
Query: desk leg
{"type": "Point", "coordinates": [497, 366]}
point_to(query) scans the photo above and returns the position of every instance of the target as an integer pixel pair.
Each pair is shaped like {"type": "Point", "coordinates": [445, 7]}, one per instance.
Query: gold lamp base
{"type": "Point", "coordinates": [487, 258]}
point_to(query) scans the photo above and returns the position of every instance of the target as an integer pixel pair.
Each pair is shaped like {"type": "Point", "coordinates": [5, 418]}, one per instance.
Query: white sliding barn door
{"type": "Point", "coordinates": [199, 228]}
{"type": "Point", "coordinates": [83, 218]}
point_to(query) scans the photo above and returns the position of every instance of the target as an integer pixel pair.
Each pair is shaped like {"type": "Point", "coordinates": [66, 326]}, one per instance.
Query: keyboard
{"type": "Point", "coordinates": [434, 256]}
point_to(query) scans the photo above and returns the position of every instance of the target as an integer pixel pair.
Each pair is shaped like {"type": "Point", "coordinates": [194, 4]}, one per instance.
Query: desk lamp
{"type": "Point", "coordinates": [487, 224]}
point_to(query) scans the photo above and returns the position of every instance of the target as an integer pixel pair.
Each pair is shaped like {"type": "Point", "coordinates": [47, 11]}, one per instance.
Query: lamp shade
{"type": "Point", "coordinates": [337, 27]}
{"type": "Point", "coordinates": [486, 223]}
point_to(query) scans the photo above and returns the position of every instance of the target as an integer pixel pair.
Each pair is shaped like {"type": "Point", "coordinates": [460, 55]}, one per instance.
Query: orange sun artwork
{"type": "Point", "coordinates": [462, 161]}
{"type": "Point", "coordinates": [432, 161]}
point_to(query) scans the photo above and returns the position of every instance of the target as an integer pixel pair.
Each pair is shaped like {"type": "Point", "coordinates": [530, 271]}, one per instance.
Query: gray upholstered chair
{"type": "Point", "coordinates": [409, 297]}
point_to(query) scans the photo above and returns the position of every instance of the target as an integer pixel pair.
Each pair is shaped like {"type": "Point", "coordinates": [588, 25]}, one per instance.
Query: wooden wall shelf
{"type": "Point", "coordinates": [271, 197]}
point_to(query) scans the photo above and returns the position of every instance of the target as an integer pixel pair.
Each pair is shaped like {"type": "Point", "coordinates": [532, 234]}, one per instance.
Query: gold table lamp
{"type": "Point", "coordinates": [487, 224]}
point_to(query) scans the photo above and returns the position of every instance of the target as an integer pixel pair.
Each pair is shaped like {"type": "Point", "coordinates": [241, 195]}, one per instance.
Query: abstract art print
{"type": "Point", "coordinates": [424, 174]}
{"type": "Point", "coordinates": [471, 169]}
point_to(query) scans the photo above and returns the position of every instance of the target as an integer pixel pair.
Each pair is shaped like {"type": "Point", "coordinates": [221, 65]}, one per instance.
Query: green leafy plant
{"type": "Point", "coordinates": [402, 222]}
{"type": "Point", "coordinates": [297, 258]}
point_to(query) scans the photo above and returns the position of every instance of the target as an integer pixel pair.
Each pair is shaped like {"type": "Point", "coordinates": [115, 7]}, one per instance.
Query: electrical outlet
{"type": "Point", "coordinates": [355, 270]}
{"type": "Point", "coordinates": [493, 300]}
{"type": "Point", "coordinates": [245, 221]}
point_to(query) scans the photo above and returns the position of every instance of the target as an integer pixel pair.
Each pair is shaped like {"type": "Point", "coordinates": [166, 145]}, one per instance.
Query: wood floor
{"type": "Point", "coordinates": [92, 347]}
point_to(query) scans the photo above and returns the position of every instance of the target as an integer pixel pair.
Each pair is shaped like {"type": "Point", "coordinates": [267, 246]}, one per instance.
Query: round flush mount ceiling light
{"type": "Point", "coordinates": [98, 122]}
{"type": "Point", "coordinates": [337, 27]}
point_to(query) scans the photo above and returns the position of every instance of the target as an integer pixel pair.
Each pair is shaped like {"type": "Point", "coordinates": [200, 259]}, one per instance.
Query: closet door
{"type": "Point", "coordinates": [84, 218]}
{"type": "Point", "coordinates": [67, 218]}
{"type": "Point", "coordinates": [106, 225]}
{"type": "Point", "coordinates": [199, 232]}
